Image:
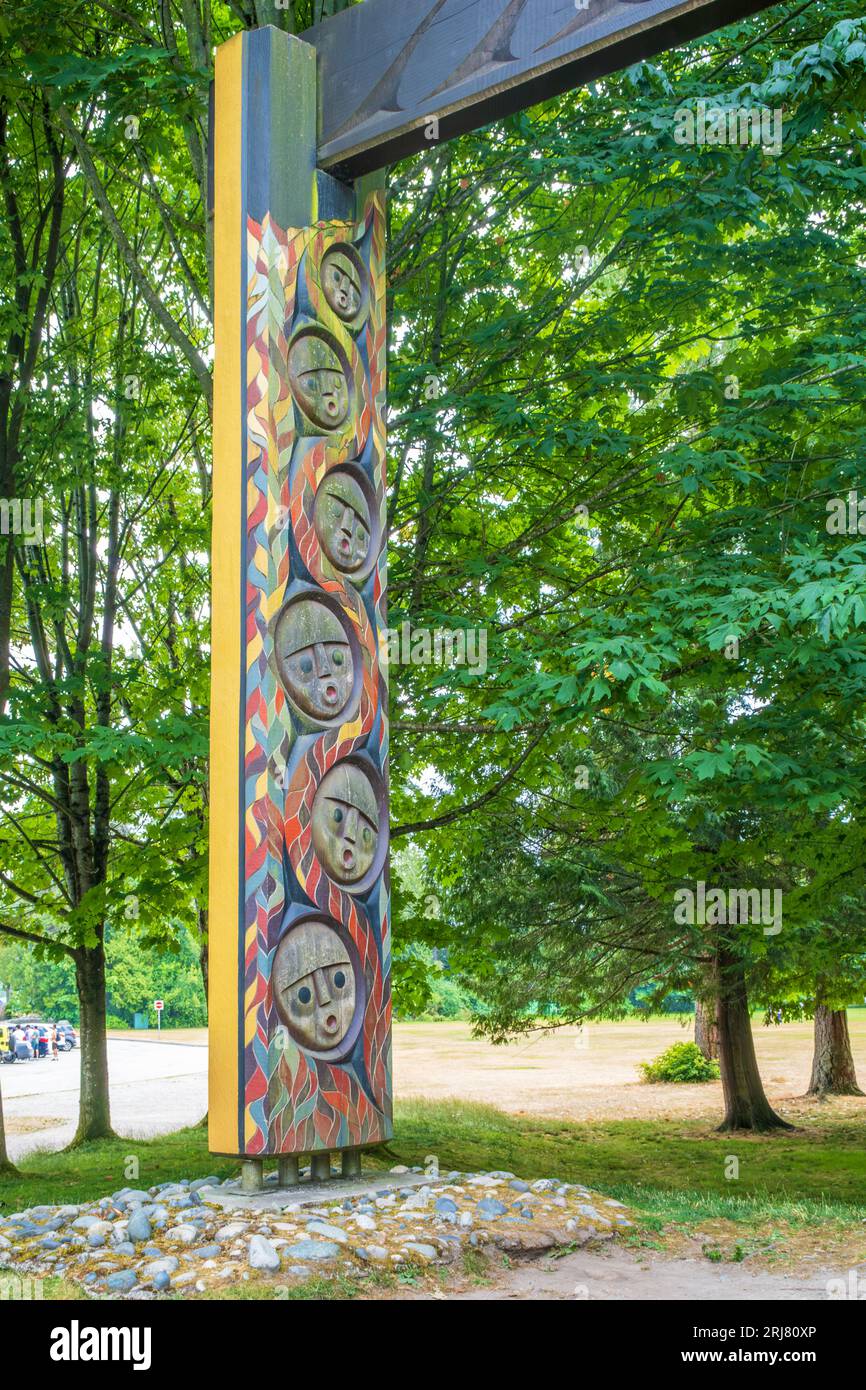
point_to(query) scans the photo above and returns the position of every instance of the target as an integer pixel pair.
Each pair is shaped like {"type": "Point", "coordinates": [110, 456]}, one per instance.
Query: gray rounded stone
{"type": "Point", "coordinates": [186, 1234]}
{"type": "Point", "coordinates": [490, 1207]}
{"type": "Point", "coordinates": [84, 1223]}
{"type": "Point", "coordinates": [321, 1228]}
{"type": "Point", "coordinates": [313, 1250]}
{"type": "Point", "coordinates": [262, 1255]}
{"type": "Point", "coordinates": [203, 1182]}
{"type": "Point", "coordinates": [138, 1227]}
{"type": "Point", "coordinates": [167, 1265]}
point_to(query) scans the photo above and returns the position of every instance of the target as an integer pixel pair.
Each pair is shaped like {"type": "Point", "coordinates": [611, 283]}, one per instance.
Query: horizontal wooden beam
{"type": "Point", "coordinates": [388, 67]}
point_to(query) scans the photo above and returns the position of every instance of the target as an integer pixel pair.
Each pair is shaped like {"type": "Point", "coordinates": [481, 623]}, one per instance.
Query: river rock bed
{"type": "Point", "coordinates": [174, 1239]}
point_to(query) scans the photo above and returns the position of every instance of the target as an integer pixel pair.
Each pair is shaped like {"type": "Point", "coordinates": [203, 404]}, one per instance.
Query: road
{"type": "Point", "coordinates": [156, 1086]}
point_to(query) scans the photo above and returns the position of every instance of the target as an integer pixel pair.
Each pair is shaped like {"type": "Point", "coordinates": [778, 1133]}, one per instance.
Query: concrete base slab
{"type": "Point", "coordinates": [312, 1194]}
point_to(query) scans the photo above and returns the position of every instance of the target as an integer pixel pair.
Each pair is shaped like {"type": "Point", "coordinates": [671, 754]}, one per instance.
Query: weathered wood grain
{"type": "Point", "coordinates": [386, 67]}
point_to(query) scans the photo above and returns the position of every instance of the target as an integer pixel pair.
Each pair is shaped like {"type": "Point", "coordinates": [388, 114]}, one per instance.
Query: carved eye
{"type": "Point", "coordinates": [306, 664]}
{"type": "Point", "coordinates": [362, 536]}
{"type": "Point", "coordinates": [304, 994]}
{"type": "Point", "coordinates": [337, 657]}
{"type": "Point", "coordinates": [368, 835]}
{"type": "Point", "coordinates": [338, 815]}
{"type": "Point", "coordinates": [339, 979]}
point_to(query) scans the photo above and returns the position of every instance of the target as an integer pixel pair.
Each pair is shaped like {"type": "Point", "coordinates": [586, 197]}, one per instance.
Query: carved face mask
{"type": "Point", "coordinates": [319, 381]}
{"type": "Point", "coordinates": [342, 521]}
{"type": "Point", "coordinates": [346, 823]}
{"type": "Point", "coordinates": [314, 659]}
{"type": "Point", "coordinates": [341, 281]}
{"type": "Point", "coordinates": [314, 986]}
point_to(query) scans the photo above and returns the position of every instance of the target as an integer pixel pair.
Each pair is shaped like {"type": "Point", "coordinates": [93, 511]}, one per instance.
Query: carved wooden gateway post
{"type": "Point", "coordinates": [300, 945]}
{"type": "Point", "coordinates": [300, 942]}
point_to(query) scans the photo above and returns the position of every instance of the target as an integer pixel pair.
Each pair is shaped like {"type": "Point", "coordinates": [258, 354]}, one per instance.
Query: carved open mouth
{"type": "Point", "coordinates": [330, 694]}
{"type": "Point", "coordinates": [331, 1023]}
{"type": "Point", "coordinates": [348, 859]}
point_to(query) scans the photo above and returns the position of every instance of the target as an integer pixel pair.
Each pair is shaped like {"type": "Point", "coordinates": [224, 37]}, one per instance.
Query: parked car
{"type": "Point", "coordinates": [18, 1045]}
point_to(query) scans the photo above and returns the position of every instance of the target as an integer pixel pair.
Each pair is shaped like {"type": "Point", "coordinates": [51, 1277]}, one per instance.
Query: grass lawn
{"type": "Point", "coordinates": [797, 1193]}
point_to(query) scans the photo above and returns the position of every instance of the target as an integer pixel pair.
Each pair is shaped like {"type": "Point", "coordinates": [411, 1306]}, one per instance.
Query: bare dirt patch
{"type": "Point", "coordinates": [592, 1074]}
{"type": "Point", "coordinates": [31, 1124]}
{"type": "Point", "coordinates": [769, 1246]}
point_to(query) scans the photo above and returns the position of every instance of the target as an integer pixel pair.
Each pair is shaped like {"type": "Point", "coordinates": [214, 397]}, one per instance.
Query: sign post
{"type": "Point", "coordinates": [159, 1005]}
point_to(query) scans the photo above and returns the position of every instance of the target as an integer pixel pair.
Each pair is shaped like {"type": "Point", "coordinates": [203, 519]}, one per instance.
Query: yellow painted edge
{"type": "Point", "coordinates": [229, 317]}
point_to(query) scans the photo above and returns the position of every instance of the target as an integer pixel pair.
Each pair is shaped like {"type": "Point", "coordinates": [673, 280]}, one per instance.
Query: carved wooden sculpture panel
{"type": "Point", "coordinates": [300, 1000]}
{"type": "Point", "coordinates": [317, 946]}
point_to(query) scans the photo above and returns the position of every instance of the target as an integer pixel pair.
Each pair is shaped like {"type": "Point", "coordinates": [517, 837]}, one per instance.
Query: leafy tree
{"type": "Point", "coordinates": [105, 716]}
{"type": "Point", "coordinates": [138, 971]}
{"type": "Point", "coordinates": [629, 473]}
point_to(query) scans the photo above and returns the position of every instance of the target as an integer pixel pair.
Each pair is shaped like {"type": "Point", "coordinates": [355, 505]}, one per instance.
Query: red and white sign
{"type": "Point", "coordinates": [159, 1005]}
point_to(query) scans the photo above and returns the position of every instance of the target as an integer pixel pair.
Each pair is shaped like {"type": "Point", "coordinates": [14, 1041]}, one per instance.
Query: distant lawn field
{"type": "Point", "coordinates": [581, 1075]}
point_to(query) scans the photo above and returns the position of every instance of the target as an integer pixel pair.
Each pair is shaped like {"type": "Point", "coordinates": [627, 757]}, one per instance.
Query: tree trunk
{"type": "Point", "coordinates": [833, 1071]}
{"type": "Point", "coordinates": [707, 1029]}
{"type": "Point", "coordinates": [7, 569]}
{"type": "Point", "coordinates": [94, 1117]}
{"type": "Point", "coordinates": [6, 572]}
{"type": "Point", "coordinates": [203, 948]}
{"type": "Point", "coordinates": [7, 1167]}
{"type": "Point", "coordinates": [746, 1105]}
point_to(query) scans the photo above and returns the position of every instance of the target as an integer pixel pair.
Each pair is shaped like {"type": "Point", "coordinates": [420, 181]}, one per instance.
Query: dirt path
{"type": "Point", "coordinates": [621, 1275]}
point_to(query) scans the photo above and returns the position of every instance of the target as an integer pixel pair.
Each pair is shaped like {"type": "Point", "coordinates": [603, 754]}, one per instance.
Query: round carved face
{"type": "Point", "coordinates": [319, 380]}
{"type": "Point", "coordinates": [314, 658]}
{"type": "Point", "coordinates": [342, 520]}
{"type": "Point", "coordinates": [314, 986]}
{"type": "Point", "coordinates": [342, 281]}
{"type": "Point", "coordinates": [346, 823]}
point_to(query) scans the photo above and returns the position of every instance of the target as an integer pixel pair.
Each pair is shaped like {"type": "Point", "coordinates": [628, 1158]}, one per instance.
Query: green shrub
{"type": "Point", "coordinates": [684, 1061]}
